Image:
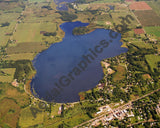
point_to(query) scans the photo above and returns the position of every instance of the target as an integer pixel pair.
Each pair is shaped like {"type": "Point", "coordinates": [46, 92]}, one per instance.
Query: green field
{"type": "Point", "coordinates": [27, 119]}
{"type": "Point", "coordinates": [117, 20]}
{"type": "Point", "coordinates": [32, 47]}
{"type": "Point", "coordinates": [7, 17]}
{"type": "Point", "coordinates": [9, 113]}
{"type": "Point", "coordinates": [152, 61]}
{"type": "Point", "coordinates": [106, 1]}
{"type": "Point", "coordinates": [153, 30]}
{"type": "Point", "coordinates": [120, 74]}
{"type": "Point", "coordinates": [142, 44]}
{"type": "Point", "coordinates": [30, 32]}
{"type": "Point", "coordinates": [72, 117]}
{"type": "Point", "coordinates": [8, 74]}
{"type": "Point", "coordinates": [155, 6]}
{"type": "Point", "coordinates": [20, 56]}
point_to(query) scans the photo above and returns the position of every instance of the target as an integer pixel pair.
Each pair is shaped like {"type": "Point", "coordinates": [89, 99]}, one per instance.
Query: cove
{"type": "Point", "coordinates": [73, 65]}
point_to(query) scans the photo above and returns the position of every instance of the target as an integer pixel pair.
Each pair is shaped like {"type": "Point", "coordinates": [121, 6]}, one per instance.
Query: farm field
{"type": "Point", "coordinates": [30, 47]}
{"type": "Point", "coordinates": [116, 20]}
{"type": "Point", "coordinates": [148, 18]}
{"type": "Point", "coordinates": [18, 95]}
{"type": "Point", "coordinates": [142, 44]}
{"type": "Point", "coordinates": [10, 111]}
{"type": "Point", "coordinates": [155, 5]}
{"type": "Point", "coordinates": [8, 74]}
{"type": "Point", "coordinates": [72, 117]}
{"type": "Point", "coordinates": [153, 30]}
{"type": "Point", "coordinates": [27, 119]}
{"type": "Point", "coordinates": [139, 6]}
{"type": "Point", "coordinates": [11, 17]}
{"type": "Point", "coordinates": [153, 61]}
{"type": "Point", "coordinates": [20, 56]}
{"type": "Point", "coordinates": [30, 32]}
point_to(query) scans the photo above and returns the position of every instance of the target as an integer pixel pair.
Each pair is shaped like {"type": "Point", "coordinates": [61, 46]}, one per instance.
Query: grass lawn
{"type": "Point", "coordinates": [152, 61]}
{"type": "Point", "coordinates": [153, 30]}
{"type": "Point", "coordinates": [8, 74]}
{"type": "Point", "coordinates": [120, 74]}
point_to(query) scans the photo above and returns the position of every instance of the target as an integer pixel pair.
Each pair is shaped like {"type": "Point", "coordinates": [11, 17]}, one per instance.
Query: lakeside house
{"type": "Point", "coordinates": [15, 83]}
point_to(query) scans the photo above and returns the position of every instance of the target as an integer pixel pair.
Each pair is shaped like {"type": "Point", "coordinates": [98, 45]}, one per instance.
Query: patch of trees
{"type": "Point", "coordinates": [65, 16]}
{"type": "Point", "coordinates": [119, 94]}
{"type": "Point", "coordinates": [80, 1]}
{"type": "Point", "coordinates": [5, 24]}
{"type": "Point", "coordinates": [80, 30]}
{"type": "Point", "coordinates": [47, 7]}
{"type": "Point", "coordinates": [93, 11]}
{"type": "Point", "coordinates": [50, 33]}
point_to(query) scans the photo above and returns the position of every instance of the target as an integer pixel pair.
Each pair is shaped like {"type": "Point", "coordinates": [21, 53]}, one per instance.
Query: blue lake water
{"type": "Point", "coordinates": [73, 65]}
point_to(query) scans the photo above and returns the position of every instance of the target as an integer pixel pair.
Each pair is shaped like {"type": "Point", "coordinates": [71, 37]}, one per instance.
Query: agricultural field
{"type": "Point", "coordinates": [18, 95]}
{"type": "Point", "coordinates": [116, 20]}
{"type": "Point", "coordinates": [141, 44]}
{"type": "Point", "coordinates": [20, 56]}
{"type": "Point", "coordinates": [7, 30]}
{"type": "Point", "coordinates": [153, 30]}
{"type": "Point", "coordinates": [153, 61]}
{"type": "Point", "coordinates": [30, 47]}
{"type": "Point", "coordinates": [155, 5]}
{"type": "Point", "coordinates": [148, 18]}
{"type": "Point", "coordinates": [7, 74]}
{"type": "Point", "coordinates": [27, 119]}
{"type": "Point", "coordinates": [104, 19]}
{"type": "Point", "coordinates": [139, 6]}
{"type": "Point", "coordinates": [10, 112]}
{"type": "Point", "coordinates": [71, 117]}
{"type": "Point", "coordinates": [30, 32]}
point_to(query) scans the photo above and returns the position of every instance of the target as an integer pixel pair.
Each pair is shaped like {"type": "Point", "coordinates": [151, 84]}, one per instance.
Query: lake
{"type": "Point", "coordinates": [73, 65]}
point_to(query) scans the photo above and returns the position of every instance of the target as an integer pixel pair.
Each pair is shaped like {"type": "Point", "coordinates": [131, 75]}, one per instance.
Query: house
{"type": "Point", "coordinates": [15, 83]}
{"type": "Point", "coordinates": [60, 110]}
